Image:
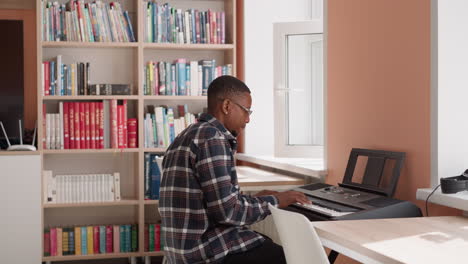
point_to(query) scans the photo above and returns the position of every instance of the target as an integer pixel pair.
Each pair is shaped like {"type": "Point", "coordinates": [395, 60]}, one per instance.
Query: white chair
{"type": "Point", "coordinates": [301, 243]}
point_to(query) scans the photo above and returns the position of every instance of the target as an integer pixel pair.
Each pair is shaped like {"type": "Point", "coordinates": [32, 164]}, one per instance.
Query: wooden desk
{"type": "Point", "coordinates": [425, 240]}
{"type": "Point", "coordinates": [252, 179]}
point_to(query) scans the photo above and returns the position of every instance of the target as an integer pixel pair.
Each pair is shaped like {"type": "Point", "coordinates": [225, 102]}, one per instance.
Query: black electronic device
{"type": "Point", "coordinates": [454, 184]}
{"type": "Point", "coordinates": [366, 192]}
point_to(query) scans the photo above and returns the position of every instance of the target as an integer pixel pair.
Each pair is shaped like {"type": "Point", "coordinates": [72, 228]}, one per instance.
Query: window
{"type": "Point", "coordinates": [299, 90]}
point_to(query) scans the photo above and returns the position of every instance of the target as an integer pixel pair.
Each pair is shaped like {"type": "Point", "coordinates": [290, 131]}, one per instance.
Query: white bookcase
{"type": "Point", "coordinates": [120, 63]}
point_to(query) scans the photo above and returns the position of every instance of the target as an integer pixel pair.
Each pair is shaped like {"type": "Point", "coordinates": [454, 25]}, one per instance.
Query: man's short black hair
{"type": "Point", "coordinates": [225, 87]}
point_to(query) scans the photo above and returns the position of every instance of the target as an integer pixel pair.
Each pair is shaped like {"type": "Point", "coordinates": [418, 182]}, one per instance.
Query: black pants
{"type": "Point", "coordinates": [267, 253]}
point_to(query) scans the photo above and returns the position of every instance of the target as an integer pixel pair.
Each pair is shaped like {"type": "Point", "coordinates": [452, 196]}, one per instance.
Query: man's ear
{"type": "Point", "coordinates": [226, 106]}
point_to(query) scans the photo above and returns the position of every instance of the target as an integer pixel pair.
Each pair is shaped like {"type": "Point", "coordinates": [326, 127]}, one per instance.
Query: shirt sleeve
{"type": "Point", "coordinates": [223, 200]}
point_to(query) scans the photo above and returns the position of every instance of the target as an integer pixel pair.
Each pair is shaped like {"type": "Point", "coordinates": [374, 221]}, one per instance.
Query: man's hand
{"type": "Point", "coordinates": [265, 192]}
{"type": "Point", "coordinates": [290, 197]}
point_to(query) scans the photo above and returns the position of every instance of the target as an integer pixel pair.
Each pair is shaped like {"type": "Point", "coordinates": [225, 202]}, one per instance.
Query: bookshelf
{"type": "Point", "coordinates": [120, 62]}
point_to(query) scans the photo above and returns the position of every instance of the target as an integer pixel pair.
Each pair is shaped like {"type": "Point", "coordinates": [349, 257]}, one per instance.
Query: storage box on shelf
{"type": "Point", "coordinates": [122, 63]}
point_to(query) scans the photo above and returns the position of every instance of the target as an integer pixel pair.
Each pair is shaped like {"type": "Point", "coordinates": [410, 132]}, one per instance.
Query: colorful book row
{"type": "Point", "coordinates": [89, 240]}
{"type": "Point", "coordinates": [86, 22]}
{"type": "Point", "coordinates": [153, 238]}
{"type": "Point", "coordinates": [89, 125]}
{"type": "Point", "coordinates": [182, 77]}
{"type": "Point", "coordinates": [84, 188]}
{"type": "Point", "coordinates": [74, 79]}
{"type": "Point", "coordinates": [166, 24]}
{"type": "Point", "coordinates": [161, 127]}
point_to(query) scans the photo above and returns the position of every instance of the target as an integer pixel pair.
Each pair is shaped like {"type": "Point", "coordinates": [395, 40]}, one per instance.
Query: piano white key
{"type": "Point", "coordinates": [323, 210]}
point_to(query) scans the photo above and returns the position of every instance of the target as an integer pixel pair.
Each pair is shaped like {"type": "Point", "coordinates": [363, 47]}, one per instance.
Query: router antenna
{"type": "Point", "coordinates": [4, 132]}
{"type": "Point", "coordinates": [21, 132]}
{"type": "Point", "coordinates": [34, 135]}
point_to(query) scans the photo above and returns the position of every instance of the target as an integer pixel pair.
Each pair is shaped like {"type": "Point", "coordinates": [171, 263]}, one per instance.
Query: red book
{"type": "Point", "coordinates": [157, 237]}
{"type": "Point", "coordinates": [92, 124]}
{"type": "Point", "coordinates": [87, 125]}
{"type": "Point", "coordinates": [109, 239]}
{"type": "Point", "coordinates": [124, 125]}
{"type": "Point", "coordinates": [96, 239]}
{"type": "Point", "coordinates": [101, 125]}
{"type": "Point", "coordinates": [132, 133]}
{"type": "Point", "coordinates": [66, 126]}
{"type": "Point", "coordinates": [120, 130]}
{"type": "Point", "coordinates": [82, 125]}
{"type": "Point", "coordinates": [113, 116]}
{"type": "Point", "coordinates": [77, 126]}
{"type": "Point", "coordinates": [71, 124]}
{"type": "Point", "coordinates": [146, 238]}
{"type": "Point", "coordinates": [46, 78]}
{"type": "Point", "coordinates": [46, 242]}
{"type": "Point", "coordinates": [53, 241]}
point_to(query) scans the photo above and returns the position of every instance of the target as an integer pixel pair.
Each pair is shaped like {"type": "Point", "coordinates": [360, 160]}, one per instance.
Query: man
{"type": "Point", "coordinates": [204, 215]}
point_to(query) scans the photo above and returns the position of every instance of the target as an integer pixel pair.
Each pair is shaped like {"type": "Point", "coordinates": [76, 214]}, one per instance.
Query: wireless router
{"type": "Point", "coordinates": [21, 146]}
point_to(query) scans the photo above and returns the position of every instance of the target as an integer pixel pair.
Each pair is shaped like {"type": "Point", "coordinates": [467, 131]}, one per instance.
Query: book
{"type": "Point", "coordinates": [84, 240]}
{"type": "Point", "coordinates": [59, 241]}
{"type": "Point", "coordinates": [132, 133]}
{"type": "Point", "coordinates": [90, 240]}
{"type": "Point", "coordinates": [151, 237]}
{"type": "Point", "coordinates": [110, 89]}
{"type": "Point", "coordinates": [50, 187]}
{"type": "Point", "coordinates": [71, 241]}
{"type": "Point", "coordinates": [117, 186]}
{"type": "Point", "coordinates": [134, 235]}
{"type": "Point", "coordinates": [109, 239]}
{"type": "Point", "coordinates": [102, 239]}
{"type": "Point", "coordinates": [146, 238]}
{"type": "Point", "coordinates": [53, 241]}
{"type": "Point", "coordinates": [46, 242]}
{"type": "Point", "coordinates": [116, 238]}
{"type": "Point", "coordinates": [157, 237]}
{"type": "Point", "coordinates": [78, 237]}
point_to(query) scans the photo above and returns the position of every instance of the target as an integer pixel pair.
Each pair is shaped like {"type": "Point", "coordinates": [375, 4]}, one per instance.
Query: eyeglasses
{"type": "Point", "coordinates": [244, 108]}
{"type": "Point", "coordinates": [247, 110]}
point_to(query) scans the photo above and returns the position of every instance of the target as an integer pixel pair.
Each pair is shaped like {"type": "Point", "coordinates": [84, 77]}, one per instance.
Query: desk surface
{"type": "Point", "coordinates": [441, 239]}
{"type": "Point", "coordinates": [248, 176]}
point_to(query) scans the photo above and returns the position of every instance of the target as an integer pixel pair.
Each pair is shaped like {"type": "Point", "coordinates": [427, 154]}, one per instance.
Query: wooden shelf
{"type": "Point", "coordinates": [89, 97]}
{"type": "Point", "coordinates": [88, 151]}
{"type": "Point", "coordinates": [175, 97]}
{"type": "Point", "coordinates": [155, 149]}
{"type": "Point", "coordinates": [95, 256]}
{"type": "Point", "coordinates": [153, 253]}
{"type": "Point", "coordinates": [76, 44]}
{"type": "Point", "coordinates": [174, 46]}
{"type": "Point", "coordinates": [151, 202]}
{"type": "Point", "coordinates": [91, 204]}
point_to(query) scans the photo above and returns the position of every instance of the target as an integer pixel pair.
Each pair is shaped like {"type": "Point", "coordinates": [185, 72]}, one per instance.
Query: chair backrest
{"type": "Point", "coordinates": [301, 243]}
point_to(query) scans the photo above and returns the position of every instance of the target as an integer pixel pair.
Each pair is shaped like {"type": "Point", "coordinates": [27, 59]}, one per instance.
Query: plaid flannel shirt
{"type": "Point", "coordinates": [204, 215]}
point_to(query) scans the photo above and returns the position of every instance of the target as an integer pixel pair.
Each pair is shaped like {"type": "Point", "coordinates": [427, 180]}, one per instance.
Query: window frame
{"type": "Point", "coordinates": [280, 33]}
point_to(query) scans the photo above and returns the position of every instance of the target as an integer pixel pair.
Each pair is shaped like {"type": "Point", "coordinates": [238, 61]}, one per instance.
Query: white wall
{"type": "Point", "coordinates": [449, 89]}
{"type": "Point", "coordinates": [258, 36]}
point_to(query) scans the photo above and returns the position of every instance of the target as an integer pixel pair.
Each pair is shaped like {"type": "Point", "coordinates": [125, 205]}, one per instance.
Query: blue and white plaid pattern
{"type": "Point", "coordinates": [204, 215]}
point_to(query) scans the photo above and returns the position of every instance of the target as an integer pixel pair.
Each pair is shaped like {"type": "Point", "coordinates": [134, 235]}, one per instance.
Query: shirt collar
{"type": "Point", "coordinates": [205, 117]}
